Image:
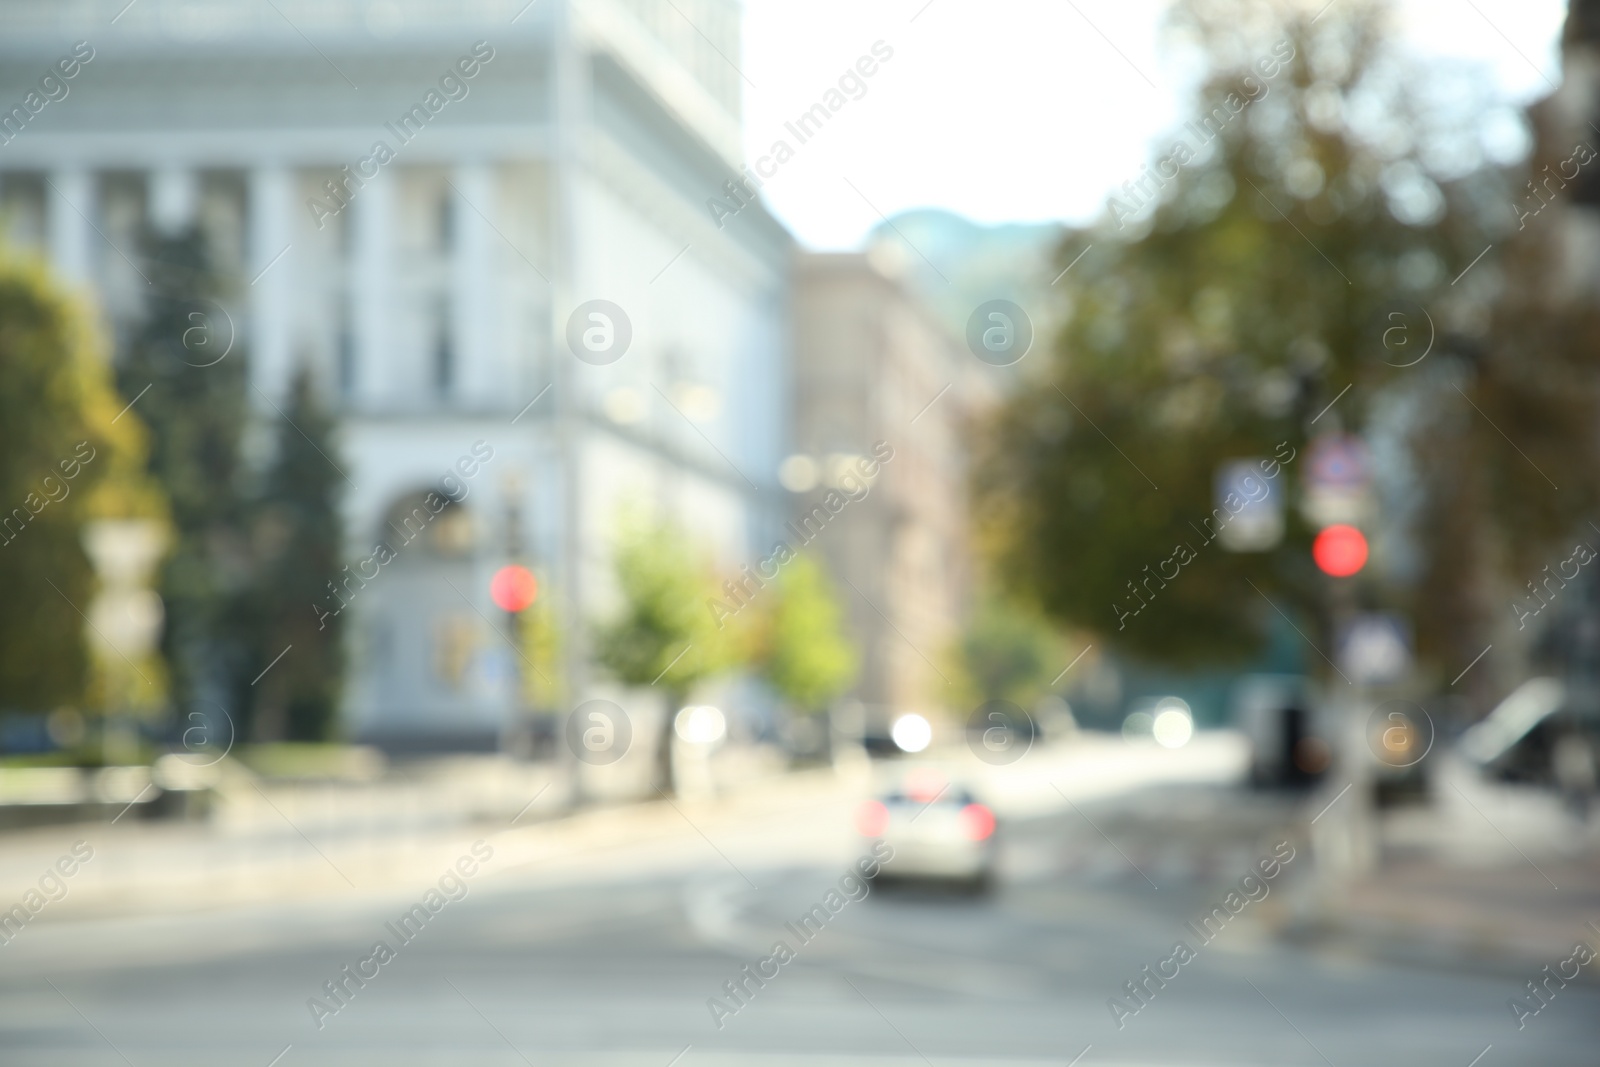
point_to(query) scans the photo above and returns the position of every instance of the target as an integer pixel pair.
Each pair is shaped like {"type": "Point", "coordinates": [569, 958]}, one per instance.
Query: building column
{"type": "Point", "coordinates": [482, 376]}
{"type": "Point", "coordinates": [271, 292]}
{"type": "Point", "coordinates": [70, 207]}
{"type": "Point", "coordinates": [376, 377]}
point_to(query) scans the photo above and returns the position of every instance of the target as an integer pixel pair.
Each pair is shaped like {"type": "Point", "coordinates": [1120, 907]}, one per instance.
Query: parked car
{"type": "Point", "coordinates": [1539, 734]}
{"type": "Point", "coordinates": [1290, 744]}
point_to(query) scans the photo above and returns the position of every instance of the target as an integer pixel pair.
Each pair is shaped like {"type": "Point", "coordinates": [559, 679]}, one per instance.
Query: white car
{"type": "Point", "coordinates": [937, 834]}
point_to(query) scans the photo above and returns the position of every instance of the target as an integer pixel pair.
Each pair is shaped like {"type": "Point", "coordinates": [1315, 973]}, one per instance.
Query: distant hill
{"type": "Point", "coordinates": [968, 263]}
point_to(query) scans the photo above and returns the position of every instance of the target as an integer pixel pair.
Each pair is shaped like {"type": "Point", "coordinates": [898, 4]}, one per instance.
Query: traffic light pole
{"type": "Point", "coordinates": [1343, 833]}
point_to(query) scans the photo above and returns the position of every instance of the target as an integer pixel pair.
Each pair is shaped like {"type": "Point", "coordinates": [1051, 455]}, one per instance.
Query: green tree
{"type": "Point", "coordinates": [187, 378]}
{"type": "Point", "coordinates": [296, 545]}
{"type": "Point", "coordinates": [539, 633]}
{"type": "Point", "coordinates": [1506, 416]}
{"type": "Point", "coordinates": [663, 635]}
{"type": "Point", "coordinates": [800, 646]}
{"type": "Point", "coordinates": [1007, 652]}
{"type": "Point", "coordinates": [1230, 299]}
{"type": "Point", "coordinates": [66, 456]}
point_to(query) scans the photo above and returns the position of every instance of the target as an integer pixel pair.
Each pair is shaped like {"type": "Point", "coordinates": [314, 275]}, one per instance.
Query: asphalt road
{"type": "Point", "coordinates": [613, 961]}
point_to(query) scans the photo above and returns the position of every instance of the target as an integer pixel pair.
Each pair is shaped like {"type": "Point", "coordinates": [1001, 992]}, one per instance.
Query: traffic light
{"type": "Point", "coordinates": [513, 588]}
{"type": "Point", "coordinates": [1340, 551]}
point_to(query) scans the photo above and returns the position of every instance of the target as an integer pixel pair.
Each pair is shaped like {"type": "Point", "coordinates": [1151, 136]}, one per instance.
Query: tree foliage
{"type": "Point", "coordinates": [1505, 425]}
{"type": "Point", "coordinates": [664, 584]}
{"type": "Point", "coordinates": [662, 635]}
{"type": "Point", "coordinates": [253, 545]}
{"type": "Point", "coordinates": [1006, 652]}
{"type": "Point", "coordinates": [296, 541]}
{"type": "Point", "coordinates": [799, 643]}
{"type": "Point", "coordinates": [65, 457]}
{"type": "Point", "coordinates": [1311, 200]}
{"type": "Point", "coordinates": [195, 405]}
{"type": "Point", "coordinates": [544, 678]}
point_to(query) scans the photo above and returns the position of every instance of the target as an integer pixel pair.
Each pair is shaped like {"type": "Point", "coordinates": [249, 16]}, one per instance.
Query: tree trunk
{"type": "Point", "coordinates": [663, 759]}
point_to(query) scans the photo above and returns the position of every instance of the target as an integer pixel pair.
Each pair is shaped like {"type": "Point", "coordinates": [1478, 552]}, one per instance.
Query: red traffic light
{"type": "Point", "coordinates": [513, 588]}
{"type": "Point", "coordinates": [1340, 551]}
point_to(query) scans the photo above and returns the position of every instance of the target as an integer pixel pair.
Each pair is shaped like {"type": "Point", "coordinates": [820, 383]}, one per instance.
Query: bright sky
{"type": "Point", "coordinates": [1019, 110]}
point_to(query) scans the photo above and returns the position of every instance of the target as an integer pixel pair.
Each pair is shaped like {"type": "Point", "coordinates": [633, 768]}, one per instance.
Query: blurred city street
{"type": "Point", "coordinates": [706, 533]}
{"type": "Point", "coordinates": [598, 940]}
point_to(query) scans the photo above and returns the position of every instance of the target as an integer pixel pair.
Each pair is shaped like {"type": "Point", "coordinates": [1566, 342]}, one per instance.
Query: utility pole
{"type": "Point", "coordinates": [569, 93]}
{"type": "Point", "coordinates": [517, 712]}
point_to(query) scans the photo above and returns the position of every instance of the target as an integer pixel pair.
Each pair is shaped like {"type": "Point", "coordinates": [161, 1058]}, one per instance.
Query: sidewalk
{"type": "Point", "coordinates": [300, 843]}
{"type": "Point", "coordinates": [1489, 876]}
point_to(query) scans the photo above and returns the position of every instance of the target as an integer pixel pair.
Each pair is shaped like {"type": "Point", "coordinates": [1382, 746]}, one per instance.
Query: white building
{"type": "Point", "coordinates": [535, 157]}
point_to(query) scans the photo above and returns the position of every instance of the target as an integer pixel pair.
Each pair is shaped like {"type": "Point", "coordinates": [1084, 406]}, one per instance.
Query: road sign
{"type": "Point", "coordinates": [1375, 649]}
{"type": "Point", "coordinates": [1338, 486]}
{"type": "Point", "coordinates": [1253, 504]}
{"type": "Point", "coordinates": [1338, 461]}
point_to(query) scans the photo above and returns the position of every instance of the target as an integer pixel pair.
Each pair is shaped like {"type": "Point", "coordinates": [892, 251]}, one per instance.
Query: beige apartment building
{"type": "Point", "coordinates": [872, 364]}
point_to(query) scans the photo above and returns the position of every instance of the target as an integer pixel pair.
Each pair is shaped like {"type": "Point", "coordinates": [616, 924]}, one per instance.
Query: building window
{"type": "Point", "coordinates": [443, 351]}
{"type": "Point", "coordinates": [446, 223]}
{"type": "Point", "coordinates": [455, 640]}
